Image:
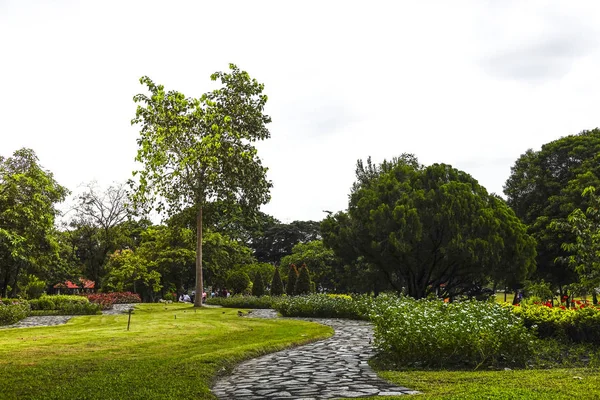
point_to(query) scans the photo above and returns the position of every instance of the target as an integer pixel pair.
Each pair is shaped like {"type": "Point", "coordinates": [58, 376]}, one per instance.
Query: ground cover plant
{"type": "Point", "coordinates": [239, 301]}
{"type": "Point", "coordinates": [170, 352]}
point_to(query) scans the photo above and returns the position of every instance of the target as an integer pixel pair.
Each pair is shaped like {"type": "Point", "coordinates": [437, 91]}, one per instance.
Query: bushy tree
{"type": "Point", "coordinates": [303, 284]}
{"type": "Point", "coordinates": [544, 187]}
{"type": "Point", "coordinates": [326, 267]}
{"type": "Point", "coordinates": [276, 284]}
{"type": "Point", "coordinates": [199, 151]}
{"type": "Point", "coordinates": [291, 280]}
{"type": "Point", "coordinates": [258, 286]}
{"type": "Point", "coordinates": [127, 271]}
{"type": "Point", "coordinates": [276, 240]}
{"type": "Point", "coordinates": [430, 229]}
{"type": "Point", "coordinates": [28, 195]}
{"type": "Point", "coordinates": [238, 281]}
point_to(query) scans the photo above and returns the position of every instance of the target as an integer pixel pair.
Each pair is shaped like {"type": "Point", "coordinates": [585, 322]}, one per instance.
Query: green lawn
{"type": "Point", "coordinates": [552, 384]}
{"type": "Point", "coordinates": [161, 357]}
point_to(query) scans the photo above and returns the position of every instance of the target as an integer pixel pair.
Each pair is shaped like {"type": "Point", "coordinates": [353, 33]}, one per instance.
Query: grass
{"type": "Point", "coordinates": [161, 357]}
{"type": "Point", "coordinates": [553, 384]}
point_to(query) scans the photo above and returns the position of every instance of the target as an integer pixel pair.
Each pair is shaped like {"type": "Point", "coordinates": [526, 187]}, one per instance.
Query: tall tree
{"type": "Point", "coordinates": [430, 229]}
{"type": "Point", "coordinates": [291, 280]}
{"type": "Point", "coordinates": [544, 187]}
{"type": "Point", "coordinates": [277, 240]}
{"type": "Point", "coordinates": [28, 195]}
{"type": "Point", "coordinates": [199, 151]}
{"type": "Point", "coordinates": [276, 283]}
{"type": "Point", "coordinates": [325, 266]}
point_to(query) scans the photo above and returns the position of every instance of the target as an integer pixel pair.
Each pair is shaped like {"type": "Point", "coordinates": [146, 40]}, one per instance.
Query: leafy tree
{"type": "Point", "coordinates": [28, 195]}
{"type": "Point", "coordinates": [544, 187]}
{"type": "Point", "coordinates": [325, 266]}
{"type": "Point", "coordinates": [223, 255]}
{"type": "Point", "coordinates": [199, 151]}
{"type": "Point", "coordinates": [238, 281]}
{"type": "Point", "coordinates": [291, 280]}
{"type": "Point", "coordinates": [277, 240]}
{"type": "Point", "coordinates": [303, 284]}
{"type": "Point", "coordinates": [127, 271]}
{"type": "Point", "coordinates": [276, 284]}
{"type": "Point", "coordinates": [585, 249]}
{"type": "Point", "coordinates": [430, 229]}
{"type": "Point", "coordinates": [258, 285]}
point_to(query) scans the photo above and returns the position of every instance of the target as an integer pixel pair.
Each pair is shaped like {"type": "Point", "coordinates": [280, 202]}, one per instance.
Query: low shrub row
{"type": "Point", "coordinates": [106, 300]}
{"type": "Point", "coordinates": [326, 306]}
{"type": "Point", "coordinates": [63, 305]}
{"type": "Point", "coordinates": [239, 301]}
{"type": "Point", "coordinates": [580, 324]}
{"type": "Point", "coordinates": [13, 310]}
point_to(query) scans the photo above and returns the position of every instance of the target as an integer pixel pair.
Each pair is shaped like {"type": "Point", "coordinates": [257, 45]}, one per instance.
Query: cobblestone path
{"type": "Point", "coordinates": [332, 368]}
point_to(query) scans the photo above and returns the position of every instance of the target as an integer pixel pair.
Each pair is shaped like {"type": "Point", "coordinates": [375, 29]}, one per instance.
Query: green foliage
{"type": "Point", "coordinates": [200, 151]}
{"type": "Point", "coordinates": [127, 271]}
{"type": "Point", "coordinates": [324, 264]}
{"type": "Point", "coordinates": [28, 195]}
{"type": "Point", "coordinates": [430, 229]}
{"type": "Point", "coordinates": [63, 305]}
{"type": "Point", "coordinates": [433, 333]}
{"type": "Point", "coordinates": [325, 306]}
{"type": "Point", "coordinates": [12, 311]}
{"type": "Point", "coordinates": [276, 240]}
{"type": "Point", "coordinates": [239, 301]}
{"type": "Point", "coordinates": [238, 281]}
{"type": "Point", "coordinates": [544, 187]}
{"type": "Point", "coordinates": [258, 286]}
{"type": "Point", "coordinates": [33, 287]}
{"type": "Point", "coordinates": [291, 280]}
{"type": "Point", "coordinates": [276, 283]}
{"type": "Point", "coordinates": [541, 290]}
{"type": "Point", "coordinates": [303, 282]}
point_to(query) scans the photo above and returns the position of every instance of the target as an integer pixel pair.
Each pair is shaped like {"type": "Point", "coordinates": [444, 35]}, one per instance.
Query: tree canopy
{"type": "Point", "coordinates": [544, 187]}
{"type": "Point", "coordinates": [199, 151]}
{"type": "Point", "coordinates": [430, 229]}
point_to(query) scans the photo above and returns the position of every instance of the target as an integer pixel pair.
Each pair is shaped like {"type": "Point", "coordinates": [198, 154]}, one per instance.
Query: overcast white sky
{"type": "Point", "coordinates": [470, 83]}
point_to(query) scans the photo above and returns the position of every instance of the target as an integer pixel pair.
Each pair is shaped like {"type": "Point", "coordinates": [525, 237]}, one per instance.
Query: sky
{"type": "Point", "coordinates": [473, 84]}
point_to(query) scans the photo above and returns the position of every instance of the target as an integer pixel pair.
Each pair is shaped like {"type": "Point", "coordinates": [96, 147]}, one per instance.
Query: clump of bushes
{"type": "Point", "coordinates": [13, 310]}
{"type": "Point", "coordinates": [465, 334]}
{"type": "Point", "coordinates": [239, 301]}
{"type": "Point", "coordinates": [106, 300]}
{"type": "Point", "coordinates": [326, 306]}
{"type": "Point", "coordinates": [63, 305]}
{"type": "Point", "coordinates": [579, 324]}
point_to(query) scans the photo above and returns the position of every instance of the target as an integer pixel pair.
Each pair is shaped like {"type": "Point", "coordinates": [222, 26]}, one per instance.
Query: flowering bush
{"type": "Point", "coordinates": [434, 333]}
{"type": "Point", "coordinates": [13, 310]}
{"type": "Point", "coordinates": [106, 300]}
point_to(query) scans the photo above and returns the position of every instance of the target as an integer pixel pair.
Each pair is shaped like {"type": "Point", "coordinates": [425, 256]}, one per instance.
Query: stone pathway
{"type": "Point", "coordinates": [333, 368]}
{"type": "Point", "coordinates": [50, 320]}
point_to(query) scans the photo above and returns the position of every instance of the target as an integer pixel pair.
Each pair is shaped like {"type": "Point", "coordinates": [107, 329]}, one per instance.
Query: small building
{"type": "Point", "coordinates": [68, 287]}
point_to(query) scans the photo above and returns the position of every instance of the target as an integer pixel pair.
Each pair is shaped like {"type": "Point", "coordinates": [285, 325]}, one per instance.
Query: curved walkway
{"type": "Point", "coordinates": [50, 320]}
{"type": "Point", "coordinates": [332, 368]}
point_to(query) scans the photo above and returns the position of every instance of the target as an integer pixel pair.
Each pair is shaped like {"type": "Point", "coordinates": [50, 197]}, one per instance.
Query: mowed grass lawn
{"type": "Point", "coordinates": [161, 357]}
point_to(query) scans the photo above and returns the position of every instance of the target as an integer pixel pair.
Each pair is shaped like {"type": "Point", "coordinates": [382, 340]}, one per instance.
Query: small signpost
{"type": "Point", "coordinates": [129, 319]}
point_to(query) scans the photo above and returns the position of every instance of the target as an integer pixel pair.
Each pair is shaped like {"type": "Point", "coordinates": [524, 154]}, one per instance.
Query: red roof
{"type": "Point", "coordinates": [85, 284]}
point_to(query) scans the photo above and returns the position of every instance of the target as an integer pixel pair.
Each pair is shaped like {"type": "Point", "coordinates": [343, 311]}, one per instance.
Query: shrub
{"type": "Point", "coordinates": [238, 281]}
{"type": "Point", "coordinates": [63, 305]}
{"type": "Point", "coordinates": [276, 284]}
{"type": "Point", "coordinates": [239, 301]}
{"type": "Point", "coordinates": [291, 281]}
{"type": "Point", "coordinates": [106, 300]}
{"type": "Point", "coordinates": [258, 286]}
{"type": "Point", "coordinates": [13, 310]}
{"type": "Point", "coordinates": [33, 287]}
{"type": "Point", "coordinates": [325, 306]}
{"type": "Point", "coordinates": [433, 333]}
{"type": "Point", "coordinates": [303, 282]}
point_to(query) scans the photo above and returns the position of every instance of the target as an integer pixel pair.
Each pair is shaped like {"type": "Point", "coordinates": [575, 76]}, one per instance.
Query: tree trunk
{"type": "Point", "coordinates": [13, 293]}
{"type": "Point", "coordinates": [199, 281]}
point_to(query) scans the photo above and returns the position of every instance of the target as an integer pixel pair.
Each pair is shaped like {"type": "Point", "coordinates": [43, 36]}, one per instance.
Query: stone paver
{"type": "Point", "coordinates": [333, 368]}
{"type": "Point", "coordinates": [50, 320]}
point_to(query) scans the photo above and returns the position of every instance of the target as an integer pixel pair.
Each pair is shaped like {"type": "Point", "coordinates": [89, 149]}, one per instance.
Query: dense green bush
{"type": "Point", "coordinates": [433, 333]}
{"type": "Point", "coordinates": [276, 284]}
{"type": "Point", "coordinates": [580, 324]}
{"type": "Point", "coordinates": [13, 310]}
{"type": "Point", "coordinates": [238, 281]}
{"type": "Point", "coordinates": [63, 305]}
{"type": "Point", "coordinates": [291, 280]}
{"type": "Point", "coordinates": [326, 306]}
{"type": "Point", "coordinates": [258, 286]}
{"type": "Point", "coordinates": [239, 301]}
{"type": "Point", "coordinates": [303, 282]}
